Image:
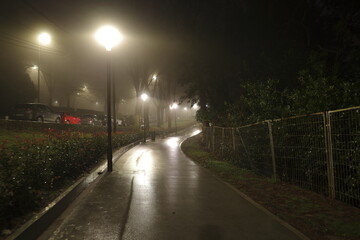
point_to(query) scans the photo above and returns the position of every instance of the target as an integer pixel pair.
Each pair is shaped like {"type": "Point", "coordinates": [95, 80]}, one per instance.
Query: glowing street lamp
{"type": "Point", "coordinates": [108, 37]}
{"type": "Point", "coordinates": [43, 39]}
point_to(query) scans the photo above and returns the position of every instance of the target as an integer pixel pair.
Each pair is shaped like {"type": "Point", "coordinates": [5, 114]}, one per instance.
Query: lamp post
{"type": "Point", "coordinates": [108, 36]}
{"type": "Point", "coordinates": [174, 106]}
{"type": "Point", "coordinates": [144, 97]}
{"type": "Point", "coordinates": [43, 39]}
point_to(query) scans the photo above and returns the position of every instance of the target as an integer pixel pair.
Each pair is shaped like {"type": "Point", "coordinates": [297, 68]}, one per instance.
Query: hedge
{"type": "Point", "coordinates": [31, 170]}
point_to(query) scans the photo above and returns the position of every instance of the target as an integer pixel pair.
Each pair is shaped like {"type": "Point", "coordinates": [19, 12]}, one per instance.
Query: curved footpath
{"type": "Point", "coordinates": [156, 192]}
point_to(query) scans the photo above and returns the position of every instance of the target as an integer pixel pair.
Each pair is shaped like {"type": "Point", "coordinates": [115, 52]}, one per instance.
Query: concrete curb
{"type": "Point", "coordinates": [35, 226]}
{"type": "Point", "coordinates": [255, 204]}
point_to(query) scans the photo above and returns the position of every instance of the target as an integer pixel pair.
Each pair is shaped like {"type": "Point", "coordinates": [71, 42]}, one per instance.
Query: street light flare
{"type": "Point", "coordinates": [108, 36]}
{"type": "Point", "coordinates": [144, 97]}
{"type": "Point", "coordinates": [174, 106]}
{"type": "Point", "coordinates": [44, 38]}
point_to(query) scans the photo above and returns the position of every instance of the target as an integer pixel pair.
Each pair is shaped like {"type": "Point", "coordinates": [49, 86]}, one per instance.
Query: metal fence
{"type": "Point", "coordinates": [319, 152]}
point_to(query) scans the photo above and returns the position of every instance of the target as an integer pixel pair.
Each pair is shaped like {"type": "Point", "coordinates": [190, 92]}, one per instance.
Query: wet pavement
{"type": "Point", "coordinates": [156, 192]}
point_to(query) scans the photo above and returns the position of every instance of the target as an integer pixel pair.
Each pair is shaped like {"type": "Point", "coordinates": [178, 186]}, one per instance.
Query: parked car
{"type": "Point", "coordinates": [90, 119]}
{"type": "Point", "coordinates": [119, 122]}
{"type": "Point", "coordinates": [68, 119]}
{"type": "Point", "coordinates": [35, 112]}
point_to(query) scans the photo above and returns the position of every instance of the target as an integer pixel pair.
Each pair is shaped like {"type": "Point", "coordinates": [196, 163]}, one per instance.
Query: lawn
{"type": "Point", "coordinates": [314, 215]}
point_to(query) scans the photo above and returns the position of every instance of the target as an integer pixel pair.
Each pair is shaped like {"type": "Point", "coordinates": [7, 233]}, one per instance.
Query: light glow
{"type": "Point", "coordinates": [44, 39]}
{"type": "Point", "coordinates": [173, 142]}
{"type": "Point", "coordinates": [144, 97]}
{"type": "Point", "coordinates": [196, 132]}
{"type": "Point", "coordinates": [109, 37]}
{"type": "Point", "coordinates": [174, 106]}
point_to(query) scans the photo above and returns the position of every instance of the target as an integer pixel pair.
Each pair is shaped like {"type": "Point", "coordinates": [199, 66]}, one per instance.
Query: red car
{"type": "Point", "coordinates": [67, 119]}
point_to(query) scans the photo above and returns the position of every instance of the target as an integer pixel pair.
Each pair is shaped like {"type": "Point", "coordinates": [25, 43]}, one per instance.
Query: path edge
{"type": "Point", "coordinates": [43, 219]}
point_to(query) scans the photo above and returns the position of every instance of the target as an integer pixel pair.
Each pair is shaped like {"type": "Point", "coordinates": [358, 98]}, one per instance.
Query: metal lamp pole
{"type": "Point", "coordinates": [38, 76]}
{"type": "Point", "coordinates": [175, 122]}
{"type": "Point", "coordinates": [109, 146]}
{"type": "Point", "coordinates": [144, 97]}
{"type": "Point", "coordinates": [108, 36]}
{"type": "Point", "coordinates": [144, 123]}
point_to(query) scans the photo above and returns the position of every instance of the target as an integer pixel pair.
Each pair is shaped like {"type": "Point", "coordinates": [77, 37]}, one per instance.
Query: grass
{"type": "Point", "coordinates": [314, 215]}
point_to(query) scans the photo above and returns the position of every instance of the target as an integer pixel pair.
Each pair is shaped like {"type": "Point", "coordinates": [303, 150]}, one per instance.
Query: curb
{"type": "Point", "coordinates": [36, 225]}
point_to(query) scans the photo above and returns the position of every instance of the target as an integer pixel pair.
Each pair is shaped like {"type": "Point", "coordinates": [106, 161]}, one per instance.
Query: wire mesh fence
{"type": "Point", "coordinates": [345, 151]}
{"type": "Point", "coordinates": [319, 152]}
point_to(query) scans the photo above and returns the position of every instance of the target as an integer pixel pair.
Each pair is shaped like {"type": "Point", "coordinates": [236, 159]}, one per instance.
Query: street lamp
{"type": "Point", "coordinates": [43, 39]}
{"type": "Point", "coordinates": [144, 97]}
{"type": "Point", "coordinates": [174, 106]}
{"type": "Point", "coordinates": [109, 37]}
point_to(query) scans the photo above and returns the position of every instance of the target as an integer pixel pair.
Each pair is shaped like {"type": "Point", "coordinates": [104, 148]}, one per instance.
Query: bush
{"type": "Point", "coordinates": [31, 169]}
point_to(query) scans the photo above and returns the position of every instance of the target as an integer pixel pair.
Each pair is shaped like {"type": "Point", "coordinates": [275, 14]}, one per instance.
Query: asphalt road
{"type": "Point", "coordinates": [156, 192]}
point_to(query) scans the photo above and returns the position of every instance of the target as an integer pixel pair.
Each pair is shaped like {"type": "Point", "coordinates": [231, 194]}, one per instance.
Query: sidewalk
{"type": "Point", "coordinates": [156, 192]}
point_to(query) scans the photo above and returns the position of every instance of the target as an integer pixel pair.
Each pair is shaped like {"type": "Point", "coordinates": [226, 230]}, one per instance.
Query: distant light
{"type": "Point", "coordinates": [85, 87]}
{"type": "Point", "coordinates": [78, 93]}
{"type": "Point", "coordinates": [97, 103]}
{"type": "Point", "coordinates": [35, 67]}
{"type": "Point", "coordinates": [154, 77]}
{"type": "Point", "coordinates": [56, 102]}
{"type": "Point", "coordinates": [108, 36]}
{"type": "Point", "coordinates": [174, 106]}
{"type": "Point", "coordinates": [144, 97]}
{"type": "Point", "coordinates": [44, 38]}
{"type": "Point", "coordinates": [195, 106]}
{"type": "Point", "coordinates": [185, 108]}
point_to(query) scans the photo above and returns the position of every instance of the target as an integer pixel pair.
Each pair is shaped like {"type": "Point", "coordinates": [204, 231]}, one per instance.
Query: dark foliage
{"type": "Point", "coordinates": [16, 86]}
{"type": "Point", "coordinates": [274, 59]}
{"type": "Point", "coordinates": [31, 169]}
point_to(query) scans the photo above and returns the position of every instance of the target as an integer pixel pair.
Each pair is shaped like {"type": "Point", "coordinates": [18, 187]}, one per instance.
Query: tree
{"type": "Point", "coordinates": [16, 86]}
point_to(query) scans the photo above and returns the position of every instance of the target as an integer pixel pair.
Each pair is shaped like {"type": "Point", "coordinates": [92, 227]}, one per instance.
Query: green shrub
{"type": "Point", "coordinates": [30, 169]}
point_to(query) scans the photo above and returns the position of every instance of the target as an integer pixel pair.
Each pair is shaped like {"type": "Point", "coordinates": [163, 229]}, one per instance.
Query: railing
{"type": "Point", "coordinates": [319, 152]}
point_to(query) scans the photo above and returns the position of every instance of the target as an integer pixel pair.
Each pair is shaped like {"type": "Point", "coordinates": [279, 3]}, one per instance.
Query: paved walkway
{"type": "Point", "coordinates": [156, 192]}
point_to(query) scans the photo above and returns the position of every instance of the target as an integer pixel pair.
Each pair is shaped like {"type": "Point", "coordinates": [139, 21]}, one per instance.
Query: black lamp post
{"type": "Point", "coordinates": [108, 37]}
{"type": "Point", "coordinates": [144, 97]}
{"type": "Point", "coordinates": [174, 107]}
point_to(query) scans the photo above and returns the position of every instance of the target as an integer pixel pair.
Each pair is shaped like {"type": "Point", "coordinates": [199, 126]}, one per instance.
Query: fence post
{"type": "Point", "coordinates": [233, 138]}
{"type": "Point", "coordinates": [329, 154]}
{"type": "Point", "coordinates": [213, 138]}
{"type": "Point", "coordinates": [222, 140]}
{"type": "Point", "coordinates": [208, 133]}
{"type": "Point", "coordinates": [272, 148]}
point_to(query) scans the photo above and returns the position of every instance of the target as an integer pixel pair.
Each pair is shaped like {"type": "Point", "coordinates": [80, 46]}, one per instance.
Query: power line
{"type": "Point", "coordinates": [28, 45]}
{"type": "Point", "coordinates": [34, 9]}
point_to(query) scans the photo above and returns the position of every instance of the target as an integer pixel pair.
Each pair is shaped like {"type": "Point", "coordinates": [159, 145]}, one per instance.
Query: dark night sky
{"type": "Point", "coordinates": [256, 39]}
